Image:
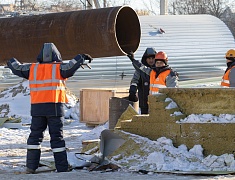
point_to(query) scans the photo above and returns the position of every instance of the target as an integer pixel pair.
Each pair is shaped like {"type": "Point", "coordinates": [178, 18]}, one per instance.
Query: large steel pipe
{"type": "Point", "coordinates": [101, 32]}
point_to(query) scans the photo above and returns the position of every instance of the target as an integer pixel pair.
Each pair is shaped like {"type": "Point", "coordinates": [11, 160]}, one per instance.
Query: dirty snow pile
{"type": "Point", "coordinates": [208, 118]}
{"type": "Point", "coordinates": [158, 155]}
{"type": "Point", "coordinates": [161, 155]}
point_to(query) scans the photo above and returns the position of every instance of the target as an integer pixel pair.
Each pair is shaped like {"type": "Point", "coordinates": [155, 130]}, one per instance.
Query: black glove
{"type": "Point", "coordinates": [131, 55]}
{"type": "Point", "coordinates": [87, 57]}
{"type": "Point", "coordinates": [133, 97]}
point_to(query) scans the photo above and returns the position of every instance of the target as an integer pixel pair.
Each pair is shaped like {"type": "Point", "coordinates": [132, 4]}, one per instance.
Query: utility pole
{"type": "Point", "coordinates": [163, 7]}
{"type": "Point", "coordinates": [126, 2]}
{"type": "Point", "coordinates": [97, 4]}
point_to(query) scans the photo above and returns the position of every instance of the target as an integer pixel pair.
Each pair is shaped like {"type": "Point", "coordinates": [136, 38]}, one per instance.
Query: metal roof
{"type": "Point", "coordinates": [195, 44]}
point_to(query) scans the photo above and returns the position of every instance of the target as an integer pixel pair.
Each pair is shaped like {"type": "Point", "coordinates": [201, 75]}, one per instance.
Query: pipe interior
{"type": "Point", "coordinates": [128, 30]}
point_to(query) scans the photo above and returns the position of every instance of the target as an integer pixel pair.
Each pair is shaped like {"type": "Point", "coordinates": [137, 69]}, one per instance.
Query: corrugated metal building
{"type": "Point", "coordinates": [195, 44]}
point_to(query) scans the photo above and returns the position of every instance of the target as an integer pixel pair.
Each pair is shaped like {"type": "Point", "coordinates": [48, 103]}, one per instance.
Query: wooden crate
{"type": "Point", "coordinates": [94, 104]}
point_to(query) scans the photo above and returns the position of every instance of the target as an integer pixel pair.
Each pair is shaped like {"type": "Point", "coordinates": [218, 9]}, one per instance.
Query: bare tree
{"type": "Point", "coordinates": [61, 5]}
{"type": "Point", "coordinates": [218, 8]}
{"type": "Point", "coordinates": [213, 7]}
{"type": "Point", "coordinates": [152, 6]}
{"type": "Point", "coordinates": [109, 3]}
{"type": "Point", "coordinates": [31, 5]}
{"type": "Point", "coordinates": [231, 24]}
{"type": "Point", "coordinates": [229, 19]}
{"type": "Point", "coordinates": [25, 5]}
{"type": "Point", "coordinates": [188, 7]}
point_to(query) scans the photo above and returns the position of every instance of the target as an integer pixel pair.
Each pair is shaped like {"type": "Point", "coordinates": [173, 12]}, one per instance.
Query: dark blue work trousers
{"type": "Point", "coordinates": [38, 127]}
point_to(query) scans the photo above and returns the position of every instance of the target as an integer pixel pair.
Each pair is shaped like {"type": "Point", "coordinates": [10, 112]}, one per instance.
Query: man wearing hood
{"type": "Point", "coordinates": [47, 92]}
{"type": "Point", "coordinates": [140, 81]}
{"type": "Point", "coordinates": [161, 76]}
{"type": "Point", "coordinates": [228, 79]}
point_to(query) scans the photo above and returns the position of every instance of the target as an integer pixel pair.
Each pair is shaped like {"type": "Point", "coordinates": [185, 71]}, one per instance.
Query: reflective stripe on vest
{"type": "Point", "coordinates": [46, 84]}
{"type": "Point", "coordinates": [159, 82]}
{"type": "Point", "coordinates": [225, 80]}
{"type": "Point", "coordinates": [152, 93]}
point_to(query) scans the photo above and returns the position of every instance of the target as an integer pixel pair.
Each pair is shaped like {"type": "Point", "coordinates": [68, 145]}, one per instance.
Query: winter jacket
{"type": "Point", "coordinates": [168, 77]}
{"type": "Point", "coordinates": [47, 57]}
{"type": "Point", "coordinates": [157, 82]}
{"type": "Point", "coordinates": [228, 80]}
{"type": "Point", "coordinates": [140, 81]}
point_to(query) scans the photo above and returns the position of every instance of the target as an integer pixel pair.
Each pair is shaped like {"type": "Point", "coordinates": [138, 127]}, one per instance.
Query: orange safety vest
{"type": "Point", "coordinates": [225, 80]}
{"type": "Point", "coordinates": [46, 84]}
{"type": "Point", "coordinates": [159, 82]}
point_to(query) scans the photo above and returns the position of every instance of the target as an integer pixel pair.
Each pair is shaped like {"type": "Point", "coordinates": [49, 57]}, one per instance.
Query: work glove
{"type": "Point", "coordinates": [133, 97]}
{"type": "Point", "coordinates": [87, 57]}
{"type": "Point", "coordinates": [131, 55]}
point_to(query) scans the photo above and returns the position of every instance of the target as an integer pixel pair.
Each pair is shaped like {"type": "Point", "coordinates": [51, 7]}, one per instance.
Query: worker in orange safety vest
{"type": "Point", "coordinates": [161, 76]}
{"type": "Point", "coordinates": [47, 92]}
{"type": "Point", "coordinates": [228, 79]}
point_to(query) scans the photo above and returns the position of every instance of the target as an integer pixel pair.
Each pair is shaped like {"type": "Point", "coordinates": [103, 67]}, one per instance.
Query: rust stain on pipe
{"type": "Point", "coordinates": [99, 32]}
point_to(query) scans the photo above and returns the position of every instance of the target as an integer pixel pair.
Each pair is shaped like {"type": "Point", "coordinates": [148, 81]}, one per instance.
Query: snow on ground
{"type": "Point", "coordinates": [157, 155]}
{"type": "Point", "coordinates": [161, 155]}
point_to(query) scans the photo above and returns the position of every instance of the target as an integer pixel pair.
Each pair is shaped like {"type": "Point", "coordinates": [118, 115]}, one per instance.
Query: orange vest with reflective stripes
{"type": "Point", "coordinates": [46, 84]}
{"type": "Point", "coordinates": [225, 80]}
{"type": "Point", "coordinates": [159, 82]}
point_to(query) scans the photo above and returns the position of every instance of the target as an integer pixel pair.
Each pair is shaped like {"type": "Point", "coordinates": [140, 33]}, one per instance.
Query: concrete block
{"type": "Point", "coordinates": [215, 138]}
{"type": "Point", "coordinates": [179, 117]}
{"type": "Point", "coordinates": [131, 125]}
{"type": "Point", "coordinates": [207, 130]}
{"type": "Point", "coordinates": [216, 146]}
{"type": "Point", "coordinates": [156, 130]}
{"type": "Point", "coordinates": [202, 100]}
{"type": "Point", "coordinates": [171, 111]}
{"type": "Point", "coordinates": [141, 117]}
{"type": "Point", "coordinates": [137, 131]}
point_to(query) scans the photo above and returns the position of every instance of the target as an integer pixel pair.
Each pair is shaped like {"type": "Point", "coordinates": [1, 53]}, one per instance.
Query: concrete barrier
{"type": "Point", "coordinates": [215, 138]}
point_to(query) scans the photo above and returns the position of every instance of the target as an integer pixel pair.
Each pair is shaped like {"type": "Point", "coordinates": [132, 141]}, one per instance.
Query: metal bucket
{"type": "Point", "coordinates": [116, 107]}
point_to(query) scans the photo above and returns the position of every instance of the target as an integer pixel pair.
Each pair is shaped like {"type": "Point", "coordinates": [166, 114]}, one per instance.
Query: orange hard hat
{"type": "Point", "coordinates": [230, 53]}
{"type": "Point", "coordinates": [161, 56]}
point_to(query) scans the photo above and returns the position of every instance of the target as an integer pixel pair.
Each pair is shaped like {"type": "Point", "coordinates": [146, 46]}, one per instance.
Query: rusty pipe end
{"type": "Point", "coordinates": [128, 29]}
{"type": "Point", "coordinates": [100, 32]}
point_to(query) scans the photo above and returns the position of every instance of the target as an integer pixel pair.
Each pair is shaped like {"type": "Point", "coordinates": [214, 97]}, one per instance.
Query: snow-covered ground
{"type": "Point", "coordinates": [159, 155]}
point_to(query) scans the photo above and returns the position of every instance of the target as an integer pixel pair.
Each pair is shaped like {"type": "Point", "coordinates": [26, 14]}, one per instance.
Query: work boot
{"type": "Point", "coordinates": [33, 158]}
{"type": "Point", "coordinates": [61, 162]}
{"type": "Point", "coordinates": [30, 171]}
